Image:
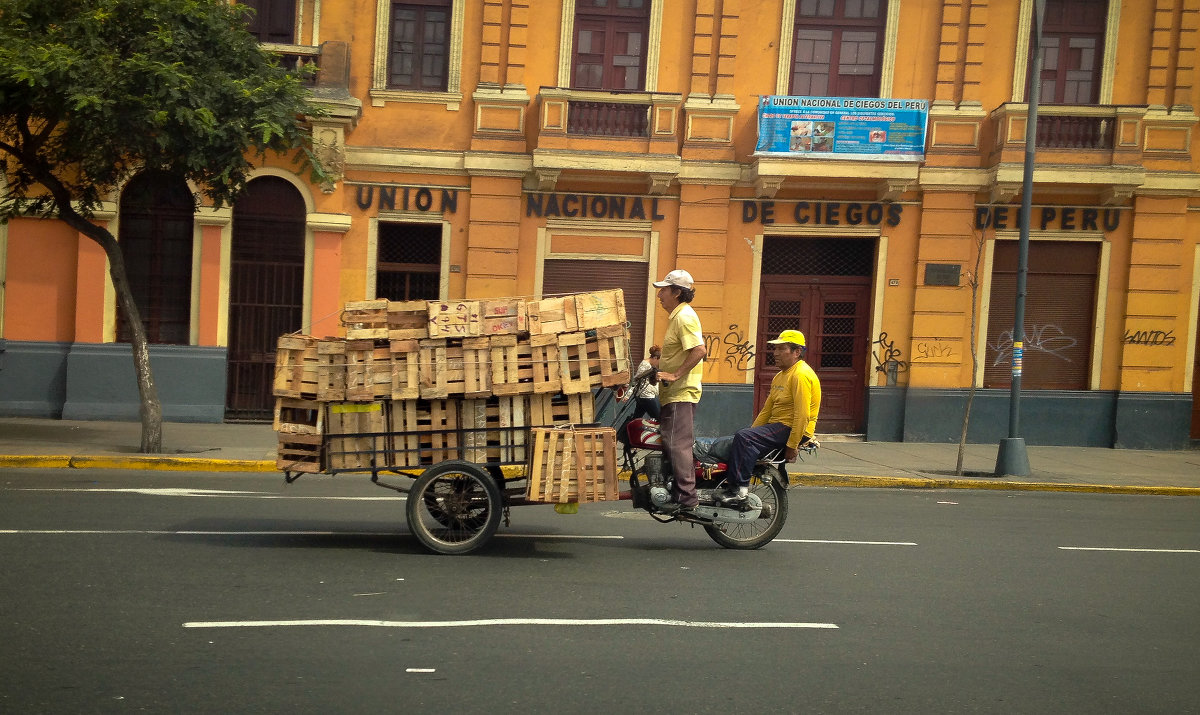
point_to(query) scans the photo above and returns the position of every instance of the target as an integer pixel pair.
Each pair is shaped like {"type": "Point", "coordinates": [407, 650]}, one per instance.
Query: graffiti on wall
{"type": "Point", "coordinates": [1048, 339]}
{"type": "Point", "coordinates": [932, 351]}
{"type": "Point", "coordinates": [1157, 338]}
{"type": "Point", "coordinates": [732, 349]}
{"type": "Point", "coordinates": [885, 353]}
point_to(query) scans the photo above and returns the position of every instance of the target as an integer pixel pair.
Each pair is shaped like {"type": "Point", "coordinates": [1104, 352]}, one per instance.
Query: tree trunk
{"type": "Point", "coordinates": [149, 409]}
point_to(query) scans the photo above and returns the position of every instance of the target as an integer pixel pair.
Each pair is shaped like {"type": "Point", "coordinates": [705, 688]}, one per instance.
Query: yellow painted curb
{"type": "Point", "coordinates": [162, 463]}
{"type": "Point", "coordinates": [34, 461]}
{"type": "Point", "coordinates": [858, 480]}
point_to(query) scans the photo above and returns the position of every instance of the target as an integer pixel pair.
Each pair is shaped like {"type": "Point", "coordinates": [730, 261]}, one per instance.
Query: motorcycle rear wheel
{"type": "Point", "coordinates": [767, 485]}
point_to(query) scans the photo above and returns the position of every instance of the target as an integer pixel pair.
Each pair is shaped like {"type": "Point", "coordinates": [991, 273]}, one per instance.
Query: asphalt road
{"type": "Point", "coordinates": [154, 592]}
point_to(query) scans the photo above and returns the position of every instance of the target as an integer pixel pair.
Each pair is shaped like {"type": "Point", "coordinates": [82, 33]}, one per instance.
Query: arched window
{"type": "Point", "coordinates": [156, 240]}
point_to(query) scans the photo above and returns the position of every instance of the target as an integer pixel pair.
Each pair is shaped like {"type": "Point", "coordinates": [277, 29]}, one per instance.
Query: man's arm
{"type": "Point", "coordinates": [692, 359]}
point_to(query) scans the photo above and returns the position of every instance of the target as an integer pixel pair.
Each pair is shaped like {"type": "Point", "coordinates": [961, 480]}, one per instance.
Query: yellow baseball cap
{"type": "Point", "coordinates": [795, 337]}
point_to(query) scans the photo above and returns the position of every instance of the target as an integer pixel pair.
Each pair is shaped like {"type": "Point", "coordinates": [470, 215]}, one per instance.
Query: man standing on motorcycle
{"type": "Point", "coordinates": [788, 419]}
{"type": "Point", "coordinates": [679, 373]}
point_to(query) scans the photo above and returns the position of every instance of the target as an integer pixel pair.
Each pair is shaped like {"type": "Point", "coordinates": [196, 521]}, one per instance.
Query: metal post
{"type": "Point", "coordinates": [1012, 459]}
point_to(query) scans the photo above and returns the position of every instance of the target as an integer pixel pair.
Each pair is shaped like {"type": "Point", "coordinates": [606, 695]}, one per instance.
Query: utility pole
{"type": "Point", "coordinates": [1012, 459]}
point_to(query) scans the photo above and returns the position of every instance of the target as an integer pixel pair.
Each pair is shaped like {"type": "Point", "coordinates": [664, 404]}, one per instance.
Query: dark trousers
{"type": "Point", "coordinates": [749, 444]}
{"type": "Point", "coordinates": [678, 437]}
{"type": "Point", "coordinates": [647, 406]}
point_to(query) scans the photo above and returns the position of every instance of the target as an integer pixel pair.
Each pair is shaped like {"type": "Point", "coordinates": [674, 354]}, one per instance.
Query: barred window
{"type": "Point", "coordinates": [409, 261]}
{"type": "Point", "coordinates": [156, 241]}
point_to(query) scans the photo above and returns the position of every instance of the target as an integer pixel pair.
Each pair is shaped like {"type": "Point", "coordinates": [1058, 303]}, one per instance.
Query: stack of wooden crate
{"type": "Point", "coordinates": [414, 383]}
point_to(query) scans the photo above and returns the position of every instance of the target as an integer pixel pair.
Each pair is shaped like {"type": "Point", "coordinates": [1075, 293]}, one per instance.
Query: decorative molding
{"type": "Point", "coordinates": [546, 178]}
{"type": "Point", "coordinates": [1003, 192]}
{"type": "Point", "coordinates": [334, 223]}
{"type": "Point", "coordinates": [658, 184]}
{"type": "Point", "coordinates": [890, 189]}
{"type": "Point", "coordinates": [765, 187]}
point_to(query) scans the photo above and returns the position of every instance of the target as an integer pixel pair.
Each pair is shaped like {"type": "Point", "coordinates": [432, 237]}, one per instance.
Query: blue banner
{"type": "Point", "coordinates": [842, 128]}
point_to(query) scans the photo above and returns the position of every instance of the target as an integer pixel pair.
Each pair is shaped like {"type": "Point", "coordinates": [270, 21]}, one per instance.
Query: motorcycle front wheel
{"type": "Point", "coordinates": [768, 486]}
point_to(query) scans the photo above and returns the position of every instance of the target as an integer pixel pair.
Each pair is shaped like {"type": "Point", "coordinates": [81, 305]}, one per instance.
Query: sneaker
{"type": "Point", "coordinates": [729, 497]}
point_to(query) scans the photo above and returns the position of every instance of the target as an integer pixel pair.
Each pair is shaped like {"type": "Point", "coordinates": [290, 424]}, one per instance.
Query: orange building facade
{"type": "Point", "coordinates": [495, 148]}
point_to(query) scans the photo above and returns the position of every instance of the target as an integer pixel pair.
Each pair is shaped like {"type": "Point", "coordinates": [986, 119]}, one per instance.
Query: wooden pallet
{"type": "Point", "coordinates": [543, 360]}
{"type": "Point", "coordinates": [600, 309]}
{"type": "Point", "coordinates": [494, 429]}
{"type": "Point", "coordinates": [300, 453]}
{"type": "Point", "coordinates": [294, 416]}
{"type": "Point", "coordinates": [549, 316]}
{"type": "Point", "coordinates": [356, 418]}
{"type": "Point", "coordinates": [511, 365]}
{"type": "Point", "coordinates": [455, 319]}
{"type": "Point", "coordinates": [552, 410]}
{"type": "Point", "coordinates": [296, 367]}
{"type": "Point", "coordinates": [508, 316]}
{"type": "Point", "coordinates": [366, 320]}
{"type": "Point", "coordinates": [406, 369]}
{"type": "Point", "coordinates": [573, 363]}
{"type": "Point", "coordinates": [608, 356]}
{"type": "Point", "coordinates": [425, 432]}
{"type": "Point", "coordinates": [434, 368]}
{"type": "Point", "coordinates": [572, 465]}
{"type": "Point", "coordinates": [408, 320]}
{"type": "Point", "coordinates": [331, 369]}
{"type": "Point", "coordinates": [368, 370]}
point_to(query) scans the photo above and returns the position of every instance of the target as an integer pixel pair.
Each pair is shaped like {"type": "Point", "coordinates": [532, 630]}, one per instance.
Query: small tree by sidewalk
{"type": "Point", "coordinates": [973, 284]}
{"type": "Point", "coordinates": [92, 91]}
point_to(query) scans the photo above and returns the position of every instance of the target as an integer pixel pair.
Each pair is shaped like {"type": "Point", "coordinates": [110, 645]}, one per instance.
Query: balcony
{"type": "Point", "coordinates": [624, 132]}
{"type": "Point", "coordinates": [297, 58]}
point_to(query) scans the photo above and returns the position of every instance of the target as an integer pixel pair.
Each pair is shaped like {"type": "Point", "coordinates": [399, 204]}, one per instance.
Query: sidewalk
{"type": "Point", "coordinates": [41, 443]}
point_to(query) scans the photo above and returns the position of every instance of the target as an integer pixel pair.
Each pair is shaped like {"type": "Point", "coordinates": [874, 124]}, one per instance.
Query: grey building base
{"type": "Point", "coordinates": [33, 378]}
{"type": "Point", "coordinates": [1131, 420]}
{"type": "Point", "coordinates": [86, 381]}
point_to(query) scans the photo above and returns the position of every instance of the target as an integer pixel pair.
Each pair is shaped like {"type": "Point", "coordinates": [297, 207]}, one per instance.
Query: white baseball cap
{"type": "Point", "coordinates": [677, 277]}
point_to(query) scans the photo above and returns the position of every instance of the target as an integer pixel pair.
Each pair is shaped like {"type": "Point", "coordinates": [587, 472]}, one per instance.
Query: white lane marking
{"type": "Point", "coordinates": [837, 541]}
{"type": "Point", "coordinates": [420, 670]}
{"type": "Point", "coordinates": [506, 622]}
{"type": "Point", "coordinates": [1142, 551]}
{"type": "Point", "coordinates": [164, 532]}
{"type": "Point", "coordinates": [184, 492]}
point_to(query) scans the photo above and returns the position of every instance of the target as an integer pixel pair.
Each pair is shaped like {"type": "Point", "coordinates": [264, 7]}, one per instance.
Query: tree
{"type": "Point", "coordinates": [92, 91]}
{"type": "Point", "coordinates": [973, 283]}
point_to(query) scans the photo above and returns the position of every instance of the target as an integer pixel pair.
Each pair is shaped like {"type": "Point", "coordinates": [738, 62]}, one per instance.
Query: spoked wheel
{"type": "Point", "coordinates": [454, 508]}
{"type": "Point", "coordinates": [766, 485]}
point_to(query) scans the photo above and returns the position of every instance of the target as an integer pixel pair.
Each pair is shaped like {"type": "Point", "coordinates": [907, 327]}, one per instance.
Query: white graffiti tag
{"type": "Point", "coordinates": [1048, 339]}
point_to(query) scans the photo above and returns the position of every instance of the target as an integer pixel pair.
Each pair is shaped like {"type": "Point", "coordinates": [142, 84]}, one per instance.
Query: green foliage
{"type": "Point", "coordinates": [92, 90]}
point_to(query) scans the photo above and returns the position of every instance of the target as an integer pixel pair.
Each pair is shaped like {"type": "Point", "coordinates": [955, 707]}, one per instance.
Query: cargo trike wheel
{"type": "Point", "coordinates": [454, 508]}
{"type": "Point", "coordinates": [767, 485]}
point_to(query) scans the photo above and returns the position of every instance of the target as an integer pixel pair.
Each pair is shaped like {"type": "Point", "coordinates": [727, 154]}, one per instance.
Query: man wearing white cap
{"type": "Point", "coordinates": [679, 373]}
{"type": "Point", "coordinates": [788, 419]}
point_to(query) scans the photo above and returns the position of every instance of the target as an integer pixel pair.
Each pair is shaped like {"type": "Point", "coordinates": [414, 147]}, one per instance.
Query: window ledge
{"type": "Point", "coordinates": [451, 100]}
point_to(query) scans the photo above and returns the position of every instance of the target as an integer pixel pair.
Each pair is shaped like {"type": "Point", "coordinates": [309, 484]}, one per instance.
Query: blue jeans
{"type": "Point", "coordinates": [749, 444]}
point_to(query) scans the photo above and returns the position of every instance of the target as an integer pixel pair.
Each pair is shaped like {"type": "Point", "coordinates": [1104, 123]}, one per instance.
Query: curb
{"type": "Point", "coordinates": [170, 464]}
{"type": "Point", "coordinates": [881, 482]}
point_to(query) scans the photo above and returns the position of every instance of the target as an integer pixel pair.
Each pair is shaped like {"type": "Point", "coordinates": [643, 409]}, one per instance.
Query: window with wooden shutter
{"type": "Point", "coordinates": [156, 241]}
{"type": "Point", "coordinates": [419, 51]}
{"type": "Point", "coordinates": [1060, 306]}
{"type": "Point", "coordinates": [837, 48]}
{"type": "Point", "coordinates": [273, 20]}
{"type": "Point", "coordinates": [561, 276]}
{"type": "Point", "coordinates": [610, 44]}
{"type": "Point", "coordinates": [1072, 51]}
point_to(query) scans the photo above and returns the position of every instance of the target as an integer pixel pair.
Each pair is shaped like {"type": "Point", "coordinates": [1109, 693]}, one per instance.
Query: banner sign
{"type": "Point", "coordinates": [842, 128]}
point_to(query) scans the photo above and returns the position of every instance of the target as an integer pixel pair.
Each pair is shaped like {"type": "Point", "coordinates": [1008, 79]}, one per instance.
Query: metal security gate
{"type": "Point", "coordinates": [266, 291]}
{"type": "Point", "coordinates": [830, 304]}
{"type": "Point", "coordinates": [562, 276]}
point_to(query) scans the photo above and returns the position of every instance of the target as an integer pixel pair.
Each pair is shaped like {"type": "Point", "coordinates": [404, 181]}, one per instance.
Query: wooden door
{"type": "Point", "coordinates": [833, 314]}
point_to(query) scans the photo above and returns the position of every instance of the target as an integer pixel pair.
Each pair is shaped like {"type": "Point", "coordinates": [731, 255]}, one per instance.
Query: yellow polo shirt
{"type": "Point", "coordinates": [683, 334]}
{"type": "Point", "coordinates": [794, 400]}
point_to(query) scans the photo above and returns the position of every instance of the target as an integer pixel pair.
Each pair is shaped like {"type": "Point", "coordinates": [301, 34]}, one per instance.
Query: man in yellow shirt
{"type": "Point", "coordinates": [788, 419]}
{"type": "Point", "coordinates": [679, 368]}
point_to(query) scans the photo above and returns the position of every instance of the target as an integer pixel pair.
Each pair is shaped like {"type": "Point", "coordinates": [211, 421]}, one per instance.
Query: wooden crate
{"type": "Point", "coordinates": [508, 316]}
{"type": "Point", "coordinates": [406, 369]}
{"type": "Point", "coordinates": [455, 319]}
{"type": "Point", "coordinates": [556, 410]}
{"type": "Point", "coordinates": [360, 450]}
{"type": "Point", "coordinates": [572, 465]}
{"type": "Point", "coordinates": [608, 356]}
{"type": "Point", "coordinates": [368, 371]}
{"type": "Point", "coordinates": [425, 432]}
{"type": "Point", "coordinates": [331, 369]}
{"type": "Point", "coordinates": [300, 453]}
{"type": "Point", "coordinates": [294, 416]}
{"type": "Point", "coordinates": [543, 360]}
{"type": "Point", "coordinates": [296, 367]}
{"type": "Point", "coordinates": [494, 429]}
{"type": "Point", "coordinates": [600, 309]}
{"type": "Point", "coordinates": [366, 320]}
{"type": "Point", "coordinates": [408, 320]}
{"type": "Point", "coordinates": [476, 378]}
{"type": "Point", "coordinates": [573, 363]}
{"type": "Point", "coordinates": [511, 365]}
{"type": "Point", "coordinates": [433, 369]}
{"type": "Point", "coordinates": [552, 315]}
